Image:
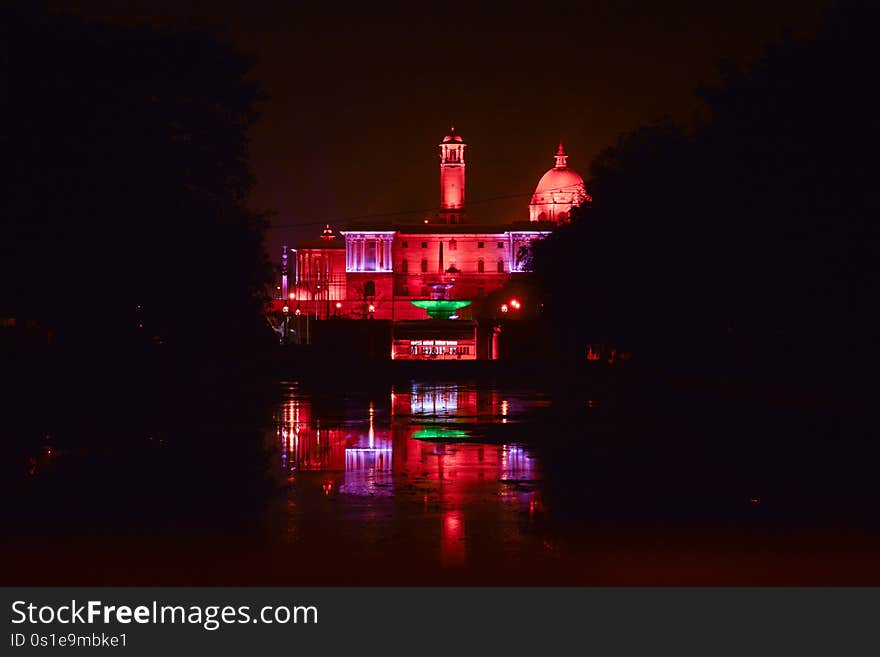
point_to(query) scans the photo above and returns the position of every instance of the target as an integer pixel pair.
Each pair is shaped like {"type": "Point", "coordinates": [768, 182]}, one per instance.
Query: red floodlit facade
{"type": "Point", "coordinates": [359, 459]}
{"type": "Point", "coordinates": [375, 271]}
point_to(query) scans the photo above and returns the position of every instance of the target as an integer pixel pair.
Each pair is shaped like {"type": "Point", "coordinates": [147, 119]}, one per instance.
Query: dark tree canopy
{"type": "Point", "coordinates": [750, 240]}
{"type": "Point", "coordinates": [124, 201]}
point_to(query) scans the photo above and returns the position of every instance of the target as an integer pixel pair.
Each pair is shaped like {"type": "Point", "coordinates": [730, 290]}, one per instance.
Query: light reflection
{"type": "Point", "coordinates": [436, 433]}
{"type": "Point", "coordinates": [305, 444]}
{"type": "Point", "coordinates": [433, 399]}
{"type": "Point", "coordinates": [442, 468]}
{"type": "Point", "coordinates": [452, 538]}
{"type": "Point", "coordinates": [368, 471]}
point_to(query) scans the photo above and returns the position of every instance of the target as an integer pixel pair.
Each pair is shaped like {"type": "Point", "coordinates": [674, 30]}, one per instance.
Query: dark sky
{"type": "Point", "coordinates": [361, 93]}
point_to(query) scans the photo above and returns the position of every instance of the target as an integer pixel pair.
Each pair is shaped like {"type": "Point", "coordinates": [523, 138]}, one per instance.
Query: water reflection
{"type": "Point", "coordinates": [425, 450]}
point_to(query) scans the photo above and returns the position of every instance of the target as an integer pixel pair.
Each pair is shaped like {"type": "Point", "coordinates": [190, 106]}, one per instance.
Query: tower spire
{"type": "Point", "coordinates": [561, 157]}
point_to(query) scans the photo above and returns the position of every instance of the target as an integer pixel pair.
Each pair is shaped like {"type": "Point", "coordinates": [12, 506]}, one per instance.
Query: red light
{"type": "Point", "coordinates": [504, 307]}
{"type": "Point", "coordinates": [515, 304]}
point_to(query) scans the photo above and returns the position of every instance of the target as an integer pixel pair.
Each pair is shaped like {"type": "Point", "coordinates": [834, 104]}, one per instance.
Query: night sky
{"type": "Point", "coordinates": [361, 93]}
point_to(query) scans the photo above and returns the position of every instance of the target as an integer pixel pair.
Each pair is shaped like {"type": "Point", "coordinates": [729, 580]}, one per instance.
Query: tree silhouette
{"type": "Point", "coordinates": [125, 205]}
{"type": "Point", "coordinates": [749, 241]}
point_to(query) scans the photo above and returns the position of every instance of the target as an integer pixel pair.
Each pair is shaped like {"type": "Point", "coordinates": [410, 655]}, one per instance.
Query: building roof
{"type": "Point", "coordinates": [452, 136]}
{"type": "Point", "coordinates": [321, 244]}
{"type": "Point", "coordinates": [450, 229]}
{"type": "Point", "coordinates": [560, 178]}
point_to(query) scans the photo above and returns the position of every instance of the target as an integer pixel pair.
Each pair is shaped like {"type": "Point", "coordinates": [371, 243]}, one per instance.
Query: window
{"type": "Point", "coordinates": [404, 291]}
{"type": "Point", "coordinates": [424, 265]}
{"type": "Point", "coordinates": [424, 290]}
{"type": "Point", "coordinates": [500, 245]}
{"type": "Point", "coordinates": [453, 245]}
{"type": "Point", "coordinates": [370, 289]}
{"type": "Point", "coordinates": [404, 266]}
{"type": "Point", "coordinates": [424, 245]}
{"type": "Point", "coordinates": [481, 245]}
{"type": "Point", "coordinates": [481, 291]}
{"type": "Point", "coordinates": [481, 266]}
{"type": "Point", "coordinates": [405, 244]}
{"type": "Point", "coordinates": [500, 266]}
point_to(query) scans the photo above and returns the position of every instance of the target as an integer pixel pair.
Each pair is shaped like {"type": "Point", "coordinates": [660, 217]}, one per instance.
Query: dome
{"type": "Point", "coordinates": [452, 136]}
{"type": "Point", "coordinates": [559, 179]}
{"type": "Point", "coordinates": [558, 191]}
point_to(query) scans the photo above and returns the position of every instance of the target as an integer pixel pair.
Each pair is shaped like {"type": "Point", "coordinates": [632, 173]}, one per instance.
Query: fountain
{"type": "Point", "coordinates": [438, 306]}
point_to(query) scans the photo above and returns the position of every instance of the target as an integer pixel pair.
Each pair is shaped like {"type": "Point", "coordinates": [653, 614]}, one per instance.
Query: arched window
{"type": "Point", "coordinates": [370, 289]}
{"type": "Point", "coordinates": [424, 265]}
{"type": "Point", "coordinates": [500, 266]}
{"type": "Point", "coordinates": [404, 266]}
{"type": "Point", "coordinates": [481, 266]}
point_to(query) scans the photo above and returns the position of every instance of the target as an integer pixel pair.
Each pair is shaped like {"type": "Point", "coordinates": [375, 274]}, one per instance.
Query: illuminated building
{"type": "Point", "coordinates": [558, 191]}
{"type": "Point", "coordinates": [319, 275]}
{"type": "Point", "coordinates": [387, 266]}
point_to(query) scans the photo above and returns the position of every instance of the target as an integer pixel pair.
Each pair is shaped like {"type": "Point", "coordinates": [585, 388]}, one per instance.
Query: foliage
{"type": "Point", "coordinates": [749, 240]}
{"type": "Point", "coordinates": [125, 210]}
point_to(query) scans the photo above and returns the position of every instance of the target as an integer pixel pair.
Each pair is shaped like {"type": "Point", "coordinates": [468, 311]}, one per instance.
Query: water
{"type": "Point", "coordinates": [426, 482]}
{"type": "Point", "coordinates": [437, 474]}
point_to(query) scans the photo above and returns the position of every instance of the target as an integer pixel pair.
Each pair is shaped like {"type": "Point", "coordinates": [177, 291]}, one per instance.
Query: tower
{"type": "Point", "coordinates": [452, 179]}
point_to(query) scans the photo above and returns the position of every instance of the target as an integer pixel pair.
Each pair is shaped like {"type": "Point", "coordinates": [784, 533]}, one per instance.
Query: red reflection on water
{"type": "Point", "coordinates": [424, 459]}
{"type": "Point", "coordinates": [452, 538]}
{"type": "Point", "coordinates": [305, 444]}
{"type": "Point", "coordinates": [451, 399]}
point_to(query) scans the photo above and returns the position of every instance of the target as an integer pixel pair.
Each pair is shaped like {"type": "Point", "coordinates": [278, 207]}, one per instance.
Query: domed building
{"type": "Point", "coordinates": [378, 269]}
{"type": "Point", "coordinates": [558, 191]}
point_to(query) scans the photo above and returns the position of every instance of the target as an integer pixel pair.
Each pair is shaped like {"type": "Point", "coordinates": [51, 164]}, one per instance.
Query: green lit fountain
{"type": "Point", "coordinates": [438, 306]}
